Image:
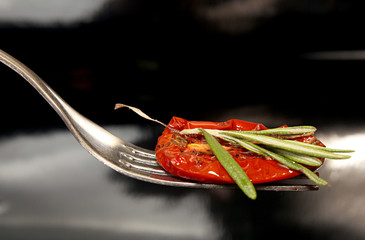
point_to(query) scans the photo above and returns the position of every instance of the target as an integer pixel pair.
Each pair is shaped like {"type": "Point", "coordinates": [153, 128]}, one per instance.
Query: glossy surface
{"type": "Point", "coordinates": [63, 192]}
{"type": "Point", "coordinates": [188, 158]}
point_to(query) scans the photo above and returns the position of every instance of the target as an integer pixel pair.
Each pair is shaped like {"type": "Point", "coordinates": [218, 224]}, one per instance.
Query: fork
{"type": "Point", "coordinates": [116, 153]}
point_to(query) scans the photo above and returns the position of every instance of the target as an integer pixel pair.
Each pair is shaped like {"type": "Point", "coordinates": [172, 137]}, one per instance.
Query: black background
{"type": "Point", "coordinates": [165, 58]}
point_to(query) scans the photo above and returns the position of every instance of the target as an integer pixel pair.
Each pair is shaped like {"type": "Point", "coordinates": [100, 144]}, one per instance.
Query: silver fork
{"type": "Point", "coordinates": [120, 155]}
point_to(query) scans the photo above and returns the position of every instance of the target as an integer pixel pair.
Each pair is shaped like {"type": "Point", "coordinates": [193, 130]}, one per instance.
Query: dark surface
{"type": "Point", "coordinates": [51, 188]}
{"type": "Point", "coordinates": [200, 60]}
{"type": "Point", "coordinates": [182, 55]}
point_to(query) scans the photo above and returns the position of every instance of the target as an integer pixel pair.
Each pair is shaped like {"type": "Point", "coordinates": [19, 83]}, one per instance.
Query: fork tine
{"type": "Point", "coordinates": [128, 163]}
{"type": "Point", "coordinates": [140, 159]}
{"type": "Point", "coordinates": [140, 151]}
{"type": "Point", "coordinates": [147, 165]}
{"type": "Point", "coordinates": [287, 187]}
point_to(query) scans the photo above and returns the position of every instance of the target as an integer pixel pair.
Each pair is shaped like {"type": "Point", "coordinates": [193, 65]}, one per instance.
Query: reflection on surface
{"type": "Point", "coordinates": [49, 181]}
{"type": "Point", "coordinates": [354, 141]}
{"type": "Point", "coordinates": [50, 185]}
{"type": "Point", "coordinates": [48, 12]}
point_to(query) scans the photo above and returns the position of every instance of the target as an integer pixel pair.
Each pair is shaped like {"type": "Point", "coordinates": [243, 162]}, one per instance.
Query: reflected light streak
{"type": "Point", "coordinates": [49, 11]}
{"type": "Point", "coordinates": [336, 55]}
{"type": "Point", "coordinates": [354, 142]}
{"type": "Point", "coordinates": [48, 181]}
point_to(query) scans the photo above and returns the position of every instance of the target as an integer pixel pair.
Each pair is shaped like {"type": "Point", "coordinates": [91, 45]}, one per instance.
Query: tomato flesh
{"type": "Point", "coordinates": [188, 156]}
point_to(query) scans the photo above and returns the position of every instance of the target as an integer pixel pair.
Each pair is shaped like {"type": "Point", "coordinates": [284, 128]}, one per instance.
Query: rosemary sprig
{"type": "Point", "coordinates": [299, 158]}
{"type": "Point", "coordinates": [290, 145]}
{"type": "Point", "coordinates": [231, 166]}
{"type": "Point", "coordinates": [290, 153]}
{"type": "Point", "coordinates": [307, 160]}
{"type": "Point", "coordinates": [284, 131]}
{"type": "Point", "coordinates": [289, 163]}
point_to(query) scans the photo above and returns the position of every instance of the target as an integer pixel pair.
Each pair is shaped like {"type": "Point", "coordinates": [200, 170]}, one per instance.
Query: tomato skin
{"type": "Point", "coordinates": [175, 155]}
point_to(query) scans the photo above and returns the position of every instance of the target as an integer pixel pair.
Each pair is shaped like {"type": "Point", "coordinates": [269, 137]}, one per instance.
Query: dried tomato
{"type": "Point", "coordinates": [189, 156]}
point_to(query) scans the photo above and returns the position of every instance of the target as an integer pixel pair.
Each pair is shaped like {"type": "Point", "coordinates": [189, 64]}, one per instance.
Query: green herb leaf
{"type": "Point", "coordinates": [289, 145]}
{"type": "Point", "coordinates": [231, 166]}
{"type": "Point", "coordinates": [283, 131]}
{"type": "Point", "coordinates": [299, 158]}
{"type": "Point", "coordinates": [324, 148]}
{"type": "Point", "coordinates": [290, 164]}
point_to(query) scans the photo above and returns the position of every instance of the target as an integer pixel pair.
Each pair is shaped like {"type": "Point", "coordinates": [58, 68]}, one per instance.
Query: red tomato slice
{"type": "Point", "coordinates": [189, 156]}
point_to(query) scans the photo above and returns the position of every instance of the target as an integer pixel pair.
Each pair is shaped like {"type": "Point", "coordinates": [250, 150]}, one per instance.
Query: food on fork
{"type": "Point", "coordinates": [241, 152]}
